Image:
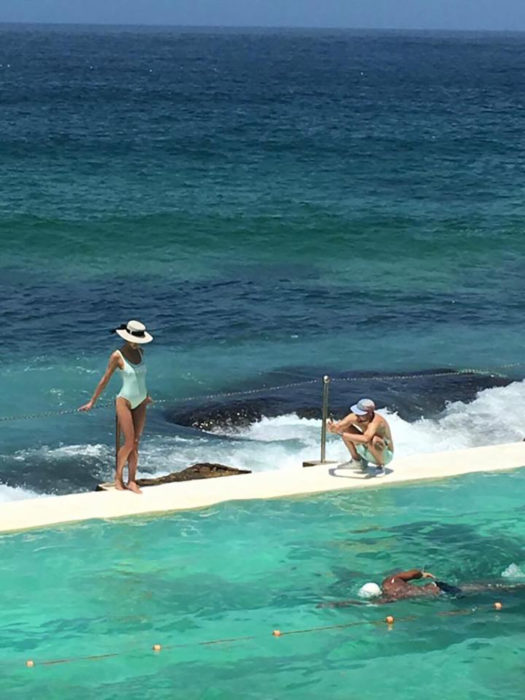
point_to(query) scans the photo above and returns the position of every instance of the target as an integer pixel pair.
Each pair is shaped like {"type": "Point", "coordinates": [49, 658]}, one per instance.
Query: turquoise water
{"type": "Point", "coordinates": [242, 570]}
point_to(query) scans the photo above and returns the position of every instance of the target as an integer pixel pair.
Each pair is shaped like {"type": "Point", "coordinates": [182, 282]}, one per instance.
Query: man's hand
{"type": "Point", "coordinates": [427, 574]}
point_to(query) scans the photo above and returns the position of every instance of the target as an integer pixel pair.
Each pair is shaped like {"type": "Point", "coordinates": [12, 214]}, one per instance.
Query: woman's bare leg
{"type": "Point", "coordinates": [139, 419]}
{"type": "Point", "coordinates": [125, 420]}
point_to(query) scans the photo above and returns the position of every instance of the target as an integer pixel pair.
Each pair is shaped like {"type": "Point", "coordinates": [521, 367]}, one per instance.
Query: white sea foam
{"type": "Point", "coordinates": [63, 452]}
{"type": "Point", "coordinates": [286, 441]}
{"type": "Point", "coordinates": [7, 493]}
{"type": "Point", "coordinates": [162, 455]}
{"type": "Point", "coordinates": [513, 571]}
{"type": "Point", "coordinates": [495, 416]}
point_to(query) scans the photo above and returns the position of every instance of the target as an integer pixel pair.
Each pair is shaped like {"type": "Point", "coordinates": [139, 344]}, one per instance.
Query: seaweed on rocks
{"type": "Point", "coordinates": [203, 470]}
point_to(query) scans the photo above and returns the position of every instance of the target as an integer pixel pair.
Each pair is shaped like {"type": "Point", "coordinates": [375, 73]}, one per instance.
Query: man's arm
{"type": "Point", "coordinates": [372, 428]}
{"type": "Point", "coordinates": [340, 426]}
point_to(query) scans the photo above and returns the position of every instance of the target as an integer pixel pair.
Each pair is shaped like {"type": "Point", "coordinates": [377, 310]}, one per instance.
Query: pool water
{"type": "Point", "coordinates": [241, 570]}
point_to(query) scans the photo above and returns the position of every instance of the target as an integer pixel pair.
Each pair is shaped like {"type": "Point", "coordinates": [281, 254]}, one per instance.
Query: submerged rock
{"type": "Point", "coordinates": [204, 470]}
{"type": "Point", "coordinates": [228, 415]}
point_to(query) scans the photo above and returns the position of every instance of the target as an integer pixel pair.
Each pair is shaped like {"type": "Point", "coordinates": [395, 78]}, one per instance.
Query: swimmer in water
{"type": "Point", "coordinates": [399, 587]}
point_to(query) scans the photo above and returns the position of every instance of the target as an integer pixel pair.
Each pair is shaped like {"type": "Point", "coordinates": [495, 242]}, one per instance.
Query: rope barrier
{"type": "Point", "coordinates": [451, 373]}
{"type": "Point", "coordinates": [389, 620]}
{"type": "Point", "coordinates": [278, 387]}
{"type": "Point", "coordinates": [186, 399]}
{"type": "Point", "coordinates": [247, 392]}
{"type": "Point", "coordinates": [43, 414]}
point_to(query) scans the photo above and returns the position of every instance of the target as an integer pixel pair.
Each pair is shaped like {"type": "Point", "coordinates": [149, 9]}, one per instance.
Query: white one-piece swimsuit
{"type": "Point", "coordinates": [133, 382]}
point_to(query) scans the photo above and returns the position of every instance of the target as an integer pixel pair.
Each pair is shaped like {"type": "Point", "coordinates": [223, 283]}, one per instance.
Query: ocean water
{"type": "Point", "coordinates": [275, 206]}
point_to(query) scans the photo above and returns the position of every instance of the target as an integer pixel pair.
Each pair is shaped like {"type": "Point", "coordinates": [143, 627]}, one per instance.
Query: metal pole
{"type": "Point", "coordinates": [326, 391]}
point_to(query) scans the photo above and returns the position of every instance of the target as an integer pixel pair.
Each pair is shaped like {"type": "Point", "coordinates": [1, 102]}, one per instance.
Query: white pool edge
{"type": "Point", "coordinates": [55, 510]}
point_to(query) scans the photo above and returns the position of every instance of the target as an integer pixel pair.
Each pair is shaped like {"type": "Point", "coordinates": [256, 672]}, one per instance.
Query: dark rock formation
{"type": "Point", "coordinates": [229, 415]}
{"type": "Point", "coordinates": [424, 393]}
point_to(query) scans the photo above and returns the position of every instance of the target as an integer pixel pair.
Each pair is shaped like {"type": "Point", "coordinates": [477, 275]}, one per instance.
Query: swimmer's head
{"type": "Point", "coordinates": [369, 590]}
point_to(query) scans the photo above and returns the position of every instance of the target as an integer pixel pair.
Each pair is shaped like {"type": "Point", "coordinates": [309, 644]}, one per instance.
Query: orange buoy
{"type": "Point", "coordinates": [30, 663]}
{"type": "Point", "coordinates": [276, 633]}
{"type": "Point", "coordinates": [157, 647]}
{"type": "Point", "coordinates": [389, 620]}
{"type": "Point", "coordinates": [498, 605]}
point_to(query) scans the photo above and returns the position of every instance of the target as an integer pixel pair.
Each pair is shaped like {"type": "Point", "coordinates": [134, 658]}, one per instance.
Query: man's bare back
{"type": "Point", "coordinates": [398, 586]}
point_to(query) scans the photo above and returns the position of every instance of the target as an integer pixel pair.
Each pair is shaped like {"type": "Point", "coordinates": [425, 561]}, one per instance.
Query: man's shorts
{"type": "Point", "coordinates": [365, 454]}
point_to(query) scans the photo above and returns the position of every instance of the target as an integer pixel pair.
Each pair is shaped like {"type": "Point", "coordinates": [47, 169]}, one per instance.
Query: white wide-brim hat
{"type": "Point", "coordinates": [134, 332]}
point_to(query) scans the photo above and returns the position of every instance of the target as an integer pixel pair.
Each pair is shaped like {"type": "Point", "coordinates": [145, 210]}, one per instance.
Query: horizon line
{"type": "Point", "coordinates": [262, 26]}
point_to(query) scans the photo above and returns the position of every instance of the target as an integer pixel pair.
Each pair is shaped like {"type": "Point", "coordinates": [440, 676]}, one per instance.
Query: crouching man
{"type": "Point", "coordinates": [367, 436]}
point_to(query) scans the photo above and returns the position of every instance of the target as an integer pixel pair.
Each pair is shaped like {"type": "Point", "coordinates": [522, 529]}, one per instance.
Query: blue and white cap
{"type": "Point", "coordinates": [363, 406]}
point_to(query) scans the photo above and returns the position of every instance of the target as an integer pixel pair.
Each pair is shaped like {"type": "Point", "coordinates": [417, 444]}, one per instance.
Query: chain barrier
{"type": "Point", "coordinates": [43, 414]}
{"type": "Point", "coordinates": [451, 373]}
{"type": "Point", "coordinates": [185, 399]}
{"type": "Point", "coordinates": [247, 392]}
{"type": "Point", "coordinates": [279, 387]}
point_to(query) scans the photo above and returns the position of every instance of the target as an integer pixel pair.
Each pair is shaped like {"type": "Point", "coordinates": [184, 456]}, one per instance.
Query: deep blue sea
{"type": "Point", "coordinates": [274, 206]}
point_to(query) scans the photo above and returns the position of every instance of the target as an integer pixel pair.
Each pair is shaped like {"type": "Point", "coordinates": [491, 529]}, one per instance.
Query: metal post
{"type": "Point", "coordinates": [324, 418]}
{"type": "Point", "coordinates": [326, 391]}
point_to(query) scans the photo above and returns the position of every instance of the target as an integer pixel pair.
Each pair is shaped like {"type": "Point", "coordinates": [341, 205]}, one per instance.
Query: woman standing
{"type": "Point", "coordinates": [132, 400]}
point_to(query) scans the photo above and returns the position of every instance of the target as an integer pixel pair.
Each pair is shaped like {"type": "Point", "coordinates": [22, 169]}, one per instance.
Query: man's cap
{"type": "Point", "coordinates": [363, 406]}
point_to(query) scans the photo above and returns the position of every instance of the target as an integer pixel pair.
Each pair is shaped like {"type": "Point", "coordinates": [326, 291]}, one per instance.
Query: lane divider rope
{"type": "Point", "coordinates": [389, 620]}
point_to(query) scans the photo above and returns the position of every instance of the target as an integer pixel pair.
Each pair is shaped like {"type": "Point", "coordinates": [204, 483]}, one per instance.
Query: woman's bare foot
{"type": "Point", "coordinates": [119, 485]}
{"type": "Point", "coordinates": [132, 486]}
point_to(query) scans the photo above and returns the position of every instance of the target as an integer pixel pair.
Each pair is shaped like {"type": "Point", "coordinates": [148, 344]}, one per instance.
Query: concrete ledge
{"type": "Point", "coordinates": [40, 512]}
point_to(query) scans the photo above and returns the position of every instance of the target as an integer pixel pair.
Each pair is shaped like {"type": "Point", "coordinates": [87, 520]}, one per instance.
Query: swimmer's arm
{"type": "Point", "coordinates": [114, 362]}
{"type": "Point", "coordinates": [413, 574]}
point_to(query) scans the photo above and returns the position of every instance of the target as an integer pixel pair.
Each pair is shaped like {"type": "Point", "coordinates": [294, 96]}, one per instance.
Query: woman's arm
{"type": "Point", "coordinates": [114, 362]}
